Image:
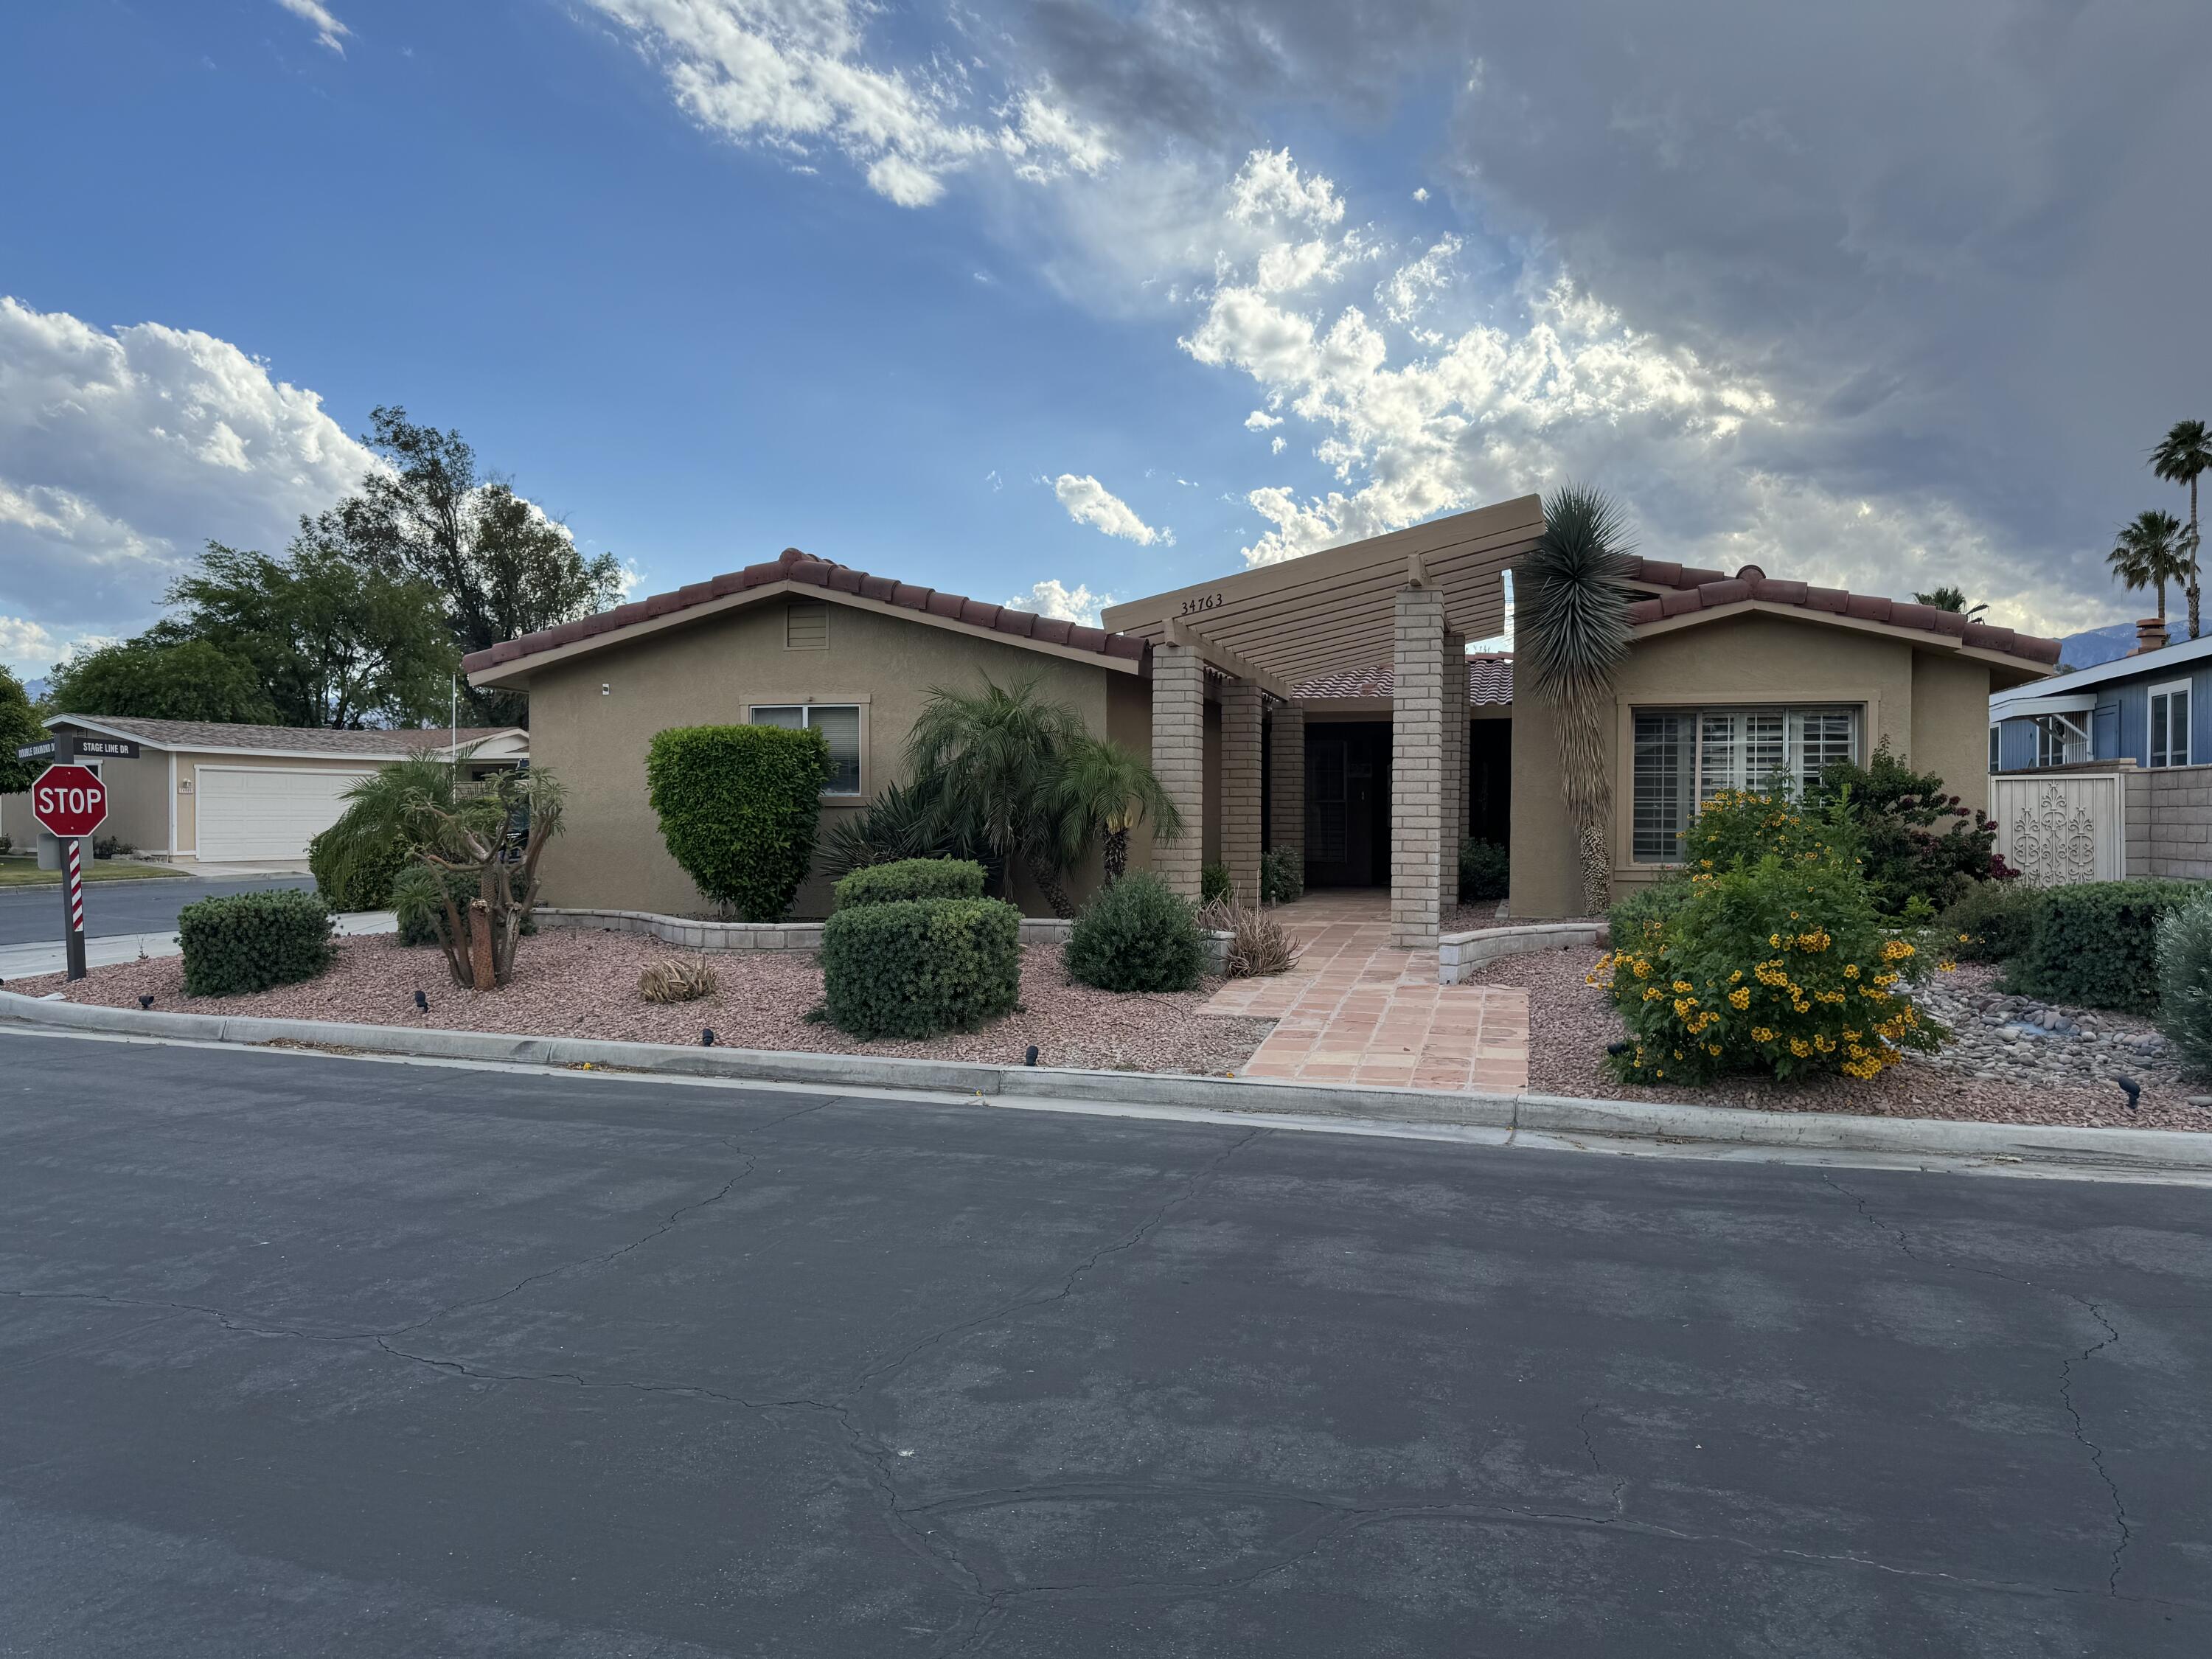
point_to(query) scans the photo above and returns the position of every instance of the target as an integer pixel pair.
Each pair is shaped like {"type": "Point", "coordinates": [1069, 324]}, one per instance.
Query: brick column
{"type": "Point", "coordinates": [1179, 761]}
{"type": "Point", "coordinates": [1455, 789]}
{"type": "Point", "coordinates": [1240, 788]}
{"type": "Point", "coordinates": [1416, 771]}
{"type": "Point", "coordinates": [1287, 807]}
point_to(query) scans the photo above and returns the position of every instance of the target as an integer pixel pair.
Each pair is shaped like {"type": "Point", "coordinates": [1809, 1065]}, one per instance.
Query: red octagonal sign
{"type": "Point", "coordinates": [68, 800]}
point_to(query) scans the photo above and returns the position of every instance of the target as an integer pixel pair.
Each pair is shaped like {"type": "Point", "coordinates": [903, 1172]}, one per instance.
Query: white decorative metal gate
{"type": "Point", "coordinates": [2060, 827]}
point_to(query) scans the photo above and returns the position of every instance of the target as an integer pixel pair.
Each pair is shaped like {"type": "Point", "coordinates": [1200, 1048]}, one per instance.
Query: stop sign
{"type": "Point", "coordinates": [68, 800]}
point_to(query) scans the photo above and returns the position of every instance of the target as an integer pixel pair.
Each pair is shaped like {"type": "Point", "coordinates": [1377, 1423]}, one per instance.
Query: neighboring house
{"type": "Point", "coordinates": [1325, 702]}
{"type": "Point", "coordinates": [213, 793]}
{"type": "Point", "coordinates": [2149, 708]}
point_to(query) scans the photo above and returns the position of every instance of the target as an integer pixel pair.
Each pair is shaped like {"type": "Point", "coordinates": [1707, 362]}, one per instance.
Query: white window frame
{"type": "Point", "coordinates": [2173, 754]}
{"type": "Point", "coordinates": [806, 706]}
{"type": "Point", "coordinates": [2060, 740]}
{"type": "Point", "coordinates": [1996, 746]}
{"type": "Point", "coordinates": [1709, 773]}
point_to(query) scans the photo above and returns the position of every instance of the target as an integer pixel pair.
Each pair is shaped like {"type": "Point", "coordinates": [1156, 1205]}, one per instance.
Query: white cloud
{"type": "Point", "coordinates": [1053, 597]}
{"type": "Point", "coordinates": [1277, 444]}
{"type": "Point", "coordinates": [1421, 194]}
{"type": "Point", "coordinates": [798, 76]}
{"type": "Point", "coordinates": [23, 640]}
{"type": "Point", "coordinates": [121, 451]}
{"type": "Point", "coordinates": [1407, 288]}
{"type": "Point", "coordinates": [1088, 501]}
{"type": "Point", "coordinates": [1269, 186]}
{"type": "Point", "coordinates": [329, 32]}
{"type": "Point", "coordinates": [1259, 421]}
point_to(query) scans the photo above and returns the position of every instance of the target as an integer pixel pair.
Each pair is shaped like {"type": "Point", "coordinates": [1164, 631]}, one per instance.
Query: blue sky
{"type": "Point", "coordinates": [986, 298]}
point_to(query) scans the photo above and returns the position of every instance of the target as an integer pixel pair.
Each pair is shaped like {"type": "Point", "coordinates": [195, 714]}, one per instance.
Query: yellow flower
{"type": "Point", "coordinates": [1713, 1049]}
{"type": "Point", "coordinates": [1896, 951]}
{"type": "Point", "coordinates": [1652, 993]}
{"type": "Point", "coordinates": [1774, 941]}
{"type": "Point", "coordinates": [1739, 998]}
{"type": "Point", "coordinates": [1966, 939]}
{"type": "Point", "coordinates": [1800, 1048]}
{"type": "Point", "coordinates": [1760, 1034]}
{"type": "Point", "coordinates": [1850, 970]}
{"type": "Point", "coordinates": [1683, 985]}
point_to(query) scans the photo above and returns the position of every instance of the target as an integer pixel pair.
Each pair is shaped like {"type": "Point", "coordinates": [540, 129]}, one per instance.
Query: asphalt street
{"type": "Point", "coordinates": [302, 1354]}
{"type": "Point", "coordinates": [33, 915]}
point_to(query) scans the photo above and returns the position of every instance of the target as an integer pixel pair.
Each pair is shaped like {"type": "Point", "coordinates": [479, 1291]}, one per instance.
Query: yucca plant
{"type": "Point", "coordinates": [1102, 791]}
{"type": "Point", "coordinates": [1571, 632]}
{"type": "Point", "coordinates": [902, 821]}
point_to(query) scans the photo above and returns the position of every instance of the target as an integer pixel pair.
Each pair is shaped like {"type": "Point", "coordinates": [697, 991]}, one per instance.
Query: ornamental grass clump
{"type": "Point", "coordinates": [1782, 967]}
{"type": "Point", "coordinates": [2184, 985]}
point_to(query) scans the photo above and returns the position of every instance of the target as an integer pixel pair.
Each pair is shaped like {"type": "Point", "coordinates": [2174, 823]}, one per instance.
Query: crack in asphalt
{"type": "Point", "coordinates": [2125, 1532]}
{"type": "Point", "coordinates": [1590, 1448]}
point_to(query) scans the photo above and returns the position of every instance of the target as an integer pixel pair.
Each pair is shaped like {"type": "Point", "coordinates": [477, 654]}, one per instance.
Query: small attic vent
{"type": "Point", "coordinates": [806, 625]}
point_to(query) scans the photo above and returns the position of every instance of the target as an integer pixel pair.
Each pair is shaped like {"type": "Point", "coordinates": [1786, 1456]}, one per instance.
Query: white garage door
{"type": "Point", "coordinates": [266, 812]}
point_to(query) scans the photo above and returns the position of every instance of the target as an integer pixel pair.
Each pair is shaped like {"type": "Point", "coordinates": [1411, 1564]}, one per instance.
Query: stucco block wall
{"type": "Point", "coordinates": [1745, 661]}
{"type": "Point", "coordinates": [2170, 814]}
{"type": "Point", "coordinates": [611, 857]}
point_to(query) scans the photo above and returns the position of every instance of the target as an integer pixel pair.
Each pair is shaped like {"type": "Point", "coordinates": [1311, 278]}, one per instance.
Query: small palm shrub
{"type": "Point", "coordinates": [1138, 935]}
{"type": "Point", "coordinates": [361, 881]}
{"type": "Point", "coordinates": [1991, 920]}
{"type": "Point", "coordinates": [738, 808]}
{"type": "Point", "coordinates": [1483, 869]}
{"type": "Point", "coordinates": [918, 968]}
{"type": "Point", "coordinates": [1779, 967]}
{"type": "Point", "coordinates": [2184, 984]}
{"type": "Point", "coordinates": [910, 878]}
{"type": "Point", "coordinates": [251, 941]}
{"type": "Point", "coordinates": [1257, 944]}
{"type": "Point", "coordinates": [1282, 876]}
{"type": "Point", "coordinates": [1213, 883]}
{"type": "Point", "coordinates": [677, 981]}
{"type": "Point", "coordinates": [2096, 945]}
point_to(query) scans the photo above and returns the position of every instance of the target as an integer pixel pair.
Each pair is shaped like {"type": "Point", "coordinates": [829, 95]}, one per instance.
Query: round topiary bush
{"type": "Point", "coordinates": [910, 879]}
{"type": "Point", "coordinates": [738, 808]}
{"type": "Point", "coordinates": [1137, 935]}
{"type": "Point", "coordinates": [917, 967]}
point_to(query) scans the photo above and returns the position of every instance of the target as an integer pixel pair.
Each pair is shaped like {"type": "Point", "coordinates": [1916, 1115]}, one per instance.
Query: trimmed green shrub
{"type": "Point", "coordinates": [1780, 967]}
{"type": "Point", "coordinates": [1213, 883]}
{"type": "Point", "coordinates": [1914, 840]}
{"type": "Point", "coordinates": [1483, 869]}
{"type": "Point", "coordinates": [1137, 935]}
{"type": "Point", "coordinates": [1991, 920]}
{"type": "Point", "coordinates": [418, 909]}
{"type": "Point", "coordinates": [910, 878]}
{"type": "Point", "coordinates": [251, 941]}
{"type": "Point", "coordinates": [367, 886]}
{"type": "Point", "coordinates": [916, 968]}
{"type": "Point", "coordinates": [2184, 984]}
{"type": "Point", "coordinates": [2096, 945]}
{"type": "Point", "coordinates": [738, 808]}
{"type": "Point", "coordinates": [1283, 876]}
{"type": "Point", "coordinates": [1649, 906]}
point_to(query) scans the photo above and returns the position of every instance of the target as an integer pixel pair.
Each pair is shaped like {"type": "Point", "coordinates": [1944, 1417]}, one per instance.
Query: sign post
{"type": "Point", "coordinates": [70, 802]}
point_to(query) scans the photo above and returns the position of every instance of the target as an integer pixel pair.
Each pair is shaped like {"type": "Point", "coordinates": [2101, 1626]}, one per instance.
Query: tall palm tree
{"type": "Point", "coordinates": [1951, 598]}
{"type": "Point", "coordinates": [2181, 457]}
{"type": "Point", "coordinates": [1103, 791]}
{"type": "Point", "coordinates": [2148, 553]}
{"type": "Point", "coordinates": [1573, 630]}
{"type": "Point", "coordinates": [992, 758]}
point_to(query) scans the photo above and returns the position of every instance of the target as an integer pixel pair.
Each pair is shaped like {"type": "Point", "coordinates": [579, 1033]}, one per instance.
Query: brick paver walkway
{"type": "Point", "coordinates": [1355, 1010]}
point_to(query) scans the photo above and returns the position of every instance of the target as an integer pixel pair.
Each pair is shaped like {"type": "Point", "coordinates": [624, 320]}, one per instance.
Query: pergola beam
{"type": "Point", "coordinates": [1228, 661]}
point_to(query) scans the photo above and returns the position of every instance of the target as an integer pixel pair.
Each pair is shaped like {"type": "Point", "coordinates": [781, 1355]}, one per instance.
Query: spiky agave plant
{"type": "Point", "coordinates": [1572, 631]}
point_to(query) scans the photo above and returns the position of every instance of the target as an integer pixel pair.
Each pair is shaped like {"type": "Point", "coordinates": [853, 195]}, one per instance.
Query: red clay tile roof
{"type": "Point", "coordinates": [797, 566]}
{"type": "Point", "coordinates": [1692, 589]}
{"type": "Point", "coordinates": [1489, 680]}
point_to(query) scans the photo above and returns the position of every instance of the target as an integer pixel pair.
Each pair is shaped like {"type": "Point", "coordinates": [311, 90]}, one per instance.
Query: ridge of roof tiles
{"type": "Point", "coordinates": [791, 565]}
{"type": "Point", "coordinates": [1694, 589]}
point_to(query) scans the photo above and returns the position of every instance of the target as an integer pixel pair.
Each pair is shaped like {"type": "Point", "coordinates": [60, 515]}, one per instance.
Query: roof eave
{"type": "Point", "coordinates": [2024, 668]}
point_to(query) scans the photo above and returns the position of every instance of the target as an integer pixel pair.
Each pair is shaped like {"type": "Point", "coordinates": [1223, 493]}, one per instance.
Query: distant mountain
{"type": "Point", "coordinates": [2096, 645]}
{"type": "Point", "coordinates": [35, 690]}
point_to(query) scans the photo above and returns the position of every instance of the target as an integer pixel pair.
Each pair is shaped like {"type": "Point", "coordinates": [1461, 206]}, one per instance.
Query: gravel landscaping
{"type": "Point", "coordinates": [579, 982]}
{"type": "Point", "coordinates": [2054, 1080]}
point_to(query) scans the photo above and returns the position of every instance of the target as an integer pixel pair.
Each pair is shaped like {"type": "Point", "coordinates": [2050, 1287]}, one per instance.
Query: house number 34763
{"type": "Point", "coordinates": [1209, 602]}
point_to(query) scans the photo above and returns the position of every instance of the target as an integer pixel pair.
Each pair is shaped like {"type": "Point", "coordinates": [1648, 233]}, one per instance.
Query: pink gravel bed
{"type": "Point", "coordinates": [583, 983]}
{"type": "Point", "coordinates": [1571, 1022]}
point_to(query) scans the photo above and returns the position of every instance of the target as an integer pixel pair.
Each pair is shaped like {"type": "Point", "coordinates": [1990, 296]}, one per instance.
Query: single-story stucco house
{"type": "Point", "coordinates": [213, 793]}
{"type": "Point", "coordinates": [1327, 703]}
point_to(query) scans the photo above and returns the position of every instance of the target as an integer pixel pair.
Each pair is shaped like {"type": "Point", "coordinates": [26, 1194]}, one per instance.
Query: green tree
{"type": "Point", "coordinates": [1951, 598]}
{"type": "Point", "coordinates": [194, 679]}
{"type": "Point", "coordinates": [1103, 791]}
{"type": "Point", "coordinates": [19, 725]}
{"type": "Point", "coordinates": [995, 758]}
{"type": "Point", "coordinates": [2147, 553]}
{"type": "Point", "coordinates": [332, 642]}
{"type": "Point", "coordinates": [501, 567]}
{"type": "Point", "coordinates": [1573, 631]}
{"type": "Point", "coordinates": [2182, 457]}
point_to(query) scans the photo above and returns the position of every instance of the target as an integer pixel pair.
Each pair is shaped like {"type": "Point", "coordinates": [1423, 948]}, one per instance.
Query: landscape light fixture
{"type": "Point", "coordinates": [707, 1037]}
{"type": "Point", "coordinates": [422, 1002]}
{"type": "Point", "coordinates": [1617, 1049]}
{"type": "Point", "coordinates": [146, 999]}
{"type": "Point", "coordinates": [2131, 1089]}
{"type": "Point", "coordinates": [1031, 1059]}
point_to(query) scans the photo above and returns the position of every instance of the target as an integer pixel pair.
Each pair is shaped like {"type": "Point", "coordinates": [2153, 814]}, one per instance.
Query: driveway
{"type": "Point", "coordinates": [302, 1354]}
{"type": "Point", "coordinates": [33, 915]}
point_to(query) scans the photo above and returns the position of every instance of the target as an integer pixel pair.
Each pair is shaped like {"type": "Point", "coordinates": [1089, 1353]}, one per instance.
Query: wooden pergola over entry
{"type": "Point", "coordinates": [1413, 598]}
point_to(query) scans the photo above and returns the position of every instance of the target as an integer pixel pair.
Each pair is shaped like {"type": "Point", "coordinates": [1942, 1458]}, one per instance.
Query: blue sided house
{"type": "Point", "coordinates": [2150, 707]}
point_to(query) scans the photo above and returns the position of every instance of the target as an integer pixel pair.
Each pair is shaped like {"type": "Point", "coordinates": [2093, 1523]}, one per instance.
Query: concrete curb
{"type": "Point", "coordinates": [1550, 1115]}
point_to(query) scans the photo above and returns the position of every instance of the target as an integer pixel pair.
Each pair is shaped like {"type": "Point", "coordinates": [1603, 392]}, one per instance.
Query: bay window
{"type": "Point", "coordinates": [1684, 757]}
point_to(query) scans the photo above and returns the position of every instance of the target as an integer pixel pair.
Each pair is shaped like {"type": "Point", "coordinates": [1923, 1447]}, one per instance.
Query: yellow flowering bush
{"type": "Point", "coordinates": [1738, 827]}
{"type": "Point", "coordinates": [1780, 966]}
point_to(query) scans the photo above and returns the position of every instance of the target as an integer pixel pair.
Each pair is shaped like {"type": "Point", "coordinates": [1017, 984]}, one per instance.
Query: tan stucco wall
{"type": "Point", "coordinates": [138, 805]}
{"type": "Point", "coordinates": [1749, 659]}
{"type": "Point", "coordinates": [611, 855]}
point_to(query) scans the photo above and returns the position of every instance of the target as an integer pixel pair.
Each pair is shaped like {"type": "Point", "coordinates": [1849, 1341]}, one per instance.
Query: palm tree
{"type": "Point", "coordinates": [2148, 553]}
{"type": "Point", "coordinates": [382, 826]}
{"type": "Point", "coordinates": [1951, 598]}
{"type": "Point", "coordinates": [2183, 454]}
{"type": "Point", "coordinates": [1103, 791]}
{"type": "Point", "coordinates": [1572, 624]}
{"type": "Point", "coordinates": [992, 758]}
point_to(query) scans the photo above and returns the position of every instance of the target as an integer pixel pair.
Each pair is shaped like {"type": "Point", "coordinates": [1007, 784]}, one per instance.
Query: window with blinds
{"type": "Point", "coordinates": [1684, 758]}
